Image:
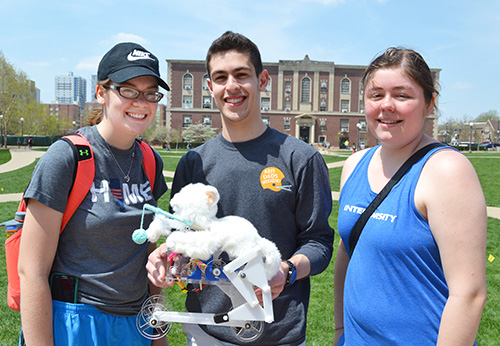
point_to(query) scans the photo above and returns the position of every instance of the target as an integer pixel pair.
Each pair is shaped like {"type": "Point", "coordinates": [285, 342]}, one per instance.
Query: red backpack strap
{"type": "Point", "coordinates": [85, 173]}
{"type": "Point", "coordinates": [148, 162]}
{"type": "Point", "coordinates": [22, 205]}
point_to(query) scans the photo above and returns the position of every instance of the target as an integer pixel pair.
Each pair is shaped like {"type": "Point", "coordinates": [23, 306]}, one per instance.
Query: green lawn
{"type": "Point", "coordinates": [4, 156]}
{"type": "Point", "coordinates": [320, 316]}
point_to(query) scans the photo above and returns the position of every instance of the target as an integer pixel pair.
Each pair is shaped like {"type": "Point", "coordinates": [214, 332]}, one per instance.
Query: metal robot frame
{"type": "Point", "coordinates": [237, 279]}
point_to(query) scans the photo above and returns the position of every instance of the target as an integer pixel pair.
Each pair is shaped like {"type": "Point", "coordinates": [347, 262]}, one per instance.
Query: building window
{"type": "Point", "coordinates": [288, 86]}
{"type": "Point", "coordinates": [265, 103]}
{"type": "Point", "coordinates": [265, 120]}
{"type": "Point", "coordinates": [344, 125]}
{"type": "Point", "coordinates": [322, 106]}
{"type": "Point", "coordinates": [268, 86]}
{"type": "Point", "coordinates": [287, 104]}
{"type": "Point", "coordinates": [361, 106]}
{"type": "Point", "coordinates": [344, 106]}
{"type": "Point", "coordinates": [187, 81]}
{"type": "Point", "coordinates": [345, 86]}
{"type": "Point", "coordinates": [322, 125]}
{"type": "Point", "coordinates": [207, 120]}
{"type": "Point", "coordinates": [323, 87]}
{"type": "Point", "coordinates": [305, 95]}
{"type": "Point", "coordinates": [187, 101]}
{"type": "Point", "coordinates": [204, 82]}
{"type": "Point", "coordinates": [207, 102]}
{"type": "Point", "coordinates": [286, 126]}
{"type": "Point", "coordinates": [186, 120]}
{"type": "Point", "coordinates": [361, 88]}
{"type": "Point", "coordinates": [363, 125]}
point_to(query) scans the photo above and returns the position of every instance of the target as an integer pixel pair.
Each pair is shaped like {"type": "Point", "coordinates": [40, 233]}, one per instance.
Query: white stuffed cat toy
{"type": "Point", "coordinates": [196, 205]}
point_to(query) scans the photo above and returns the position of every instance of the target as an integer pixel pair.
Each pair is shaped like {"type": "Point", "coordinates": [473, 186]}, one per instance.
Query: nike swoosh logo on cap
{"type": "Point", "coordinates": [138, 55]}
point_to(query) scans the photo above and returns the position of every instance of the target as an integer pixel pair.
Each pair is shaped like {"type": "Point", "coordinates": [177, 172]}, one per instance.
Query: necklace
{"type": "Point", "coordinates": [126, 177]}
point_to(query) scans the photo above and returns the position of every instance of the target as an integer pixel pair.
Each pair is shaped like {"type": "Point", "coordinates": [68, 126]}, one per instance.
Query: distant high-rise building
{"type": "Point", "coordinates": [93, 83]}
{"type": "Point", "coordinates": [35, 92]}
{"type": "Point", "coordinates": [71, 89]}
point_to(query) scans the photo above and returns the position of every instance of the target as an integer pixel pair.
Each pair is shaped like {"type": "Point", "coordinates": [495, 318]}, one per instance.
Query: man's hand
{"type": "Point", "coordinates": [277, 283]}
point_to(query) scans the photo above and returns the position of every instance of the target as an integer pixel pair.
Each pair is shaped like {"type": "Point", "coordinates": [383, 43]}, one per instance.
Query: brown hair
{"type": "Point", "coordinates": [96, 116]}
{"type": "Point", "coordinates": [233, 41]}
{"type": "Point", "coordinates": [412, 64]}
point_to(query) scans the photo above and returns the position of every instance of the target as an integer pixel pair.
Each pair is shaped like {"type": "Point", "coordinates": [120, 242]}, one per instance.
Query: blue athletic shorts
{"type": "Point", "coordinates": [82, 324]}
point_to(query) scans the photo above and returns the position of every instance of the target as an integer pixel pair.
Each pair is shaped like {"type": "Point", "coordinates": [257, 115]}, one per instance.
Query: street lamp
{"type": "Point", "coordinates": [471, 124]}
{"type": "Point", "coordinates": [1, 130]}
{"type": "Point", "coordinates": [22, 129]}
{"type": "Point", "coordinates": [74, 125]}
{"type": "Point", "coordinates": [359, 126]}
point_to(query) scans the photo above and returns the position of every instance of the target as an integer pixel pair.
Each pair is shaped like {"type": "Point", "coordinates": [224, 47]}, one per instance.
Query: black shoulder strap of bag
{"type": "Point", "coordinates": [360, 224]}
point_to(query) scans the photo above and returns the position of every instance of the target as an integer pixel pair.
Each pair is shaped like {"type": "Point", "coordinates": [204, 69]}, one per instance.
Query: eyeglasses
{"type": "Point", "coordinates": [131, 93]}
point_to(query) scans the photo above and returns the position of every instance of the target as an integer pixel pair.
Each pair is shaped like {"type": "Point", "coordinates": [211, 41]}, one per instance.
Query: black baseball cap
{"type": "Point", "coordinates": [129, 60]}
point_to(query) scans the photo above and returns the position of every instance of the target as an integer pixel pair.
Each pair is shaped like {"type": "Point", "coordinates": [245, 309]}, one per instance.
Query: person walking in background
{"type": "Point", "coordinates": [293, 212]}
{"type": "Point", "coordinates": [417, 276]}
{"type": "Point", "coordinates": [102, 267]}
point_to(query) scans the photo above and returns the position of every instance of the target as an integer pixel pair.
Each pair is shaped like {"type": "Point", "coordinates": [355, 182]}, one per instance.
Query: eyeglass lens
{"type": "Point", "coordinates": [130, 93]}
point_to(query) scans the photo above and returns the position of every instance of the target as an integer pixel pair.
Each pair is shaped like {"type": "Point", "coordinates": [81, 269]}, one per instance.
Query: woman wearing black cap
{"type": "Point", "coordinates": [97, 274]}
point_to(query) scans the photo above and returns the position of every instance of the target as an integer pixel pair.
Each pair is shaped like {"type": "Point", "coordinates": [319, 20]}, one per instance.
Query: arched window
{"type": "Point", "coordinates": [306, 90]}
{"type": "Point", "coordinates": [345, 86]}
{"type": "Point", "coordinates": [204, 82]}
{"type": "Point", "coordinates": [187, 81]}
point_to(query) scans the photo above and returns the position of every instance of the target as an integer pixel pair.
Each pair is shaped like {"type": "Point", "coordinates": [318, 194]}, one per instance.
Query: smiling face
{"type": "Point", "coordinates": [124, 119]}
{"type": "Point", "coordinates": [235, 88]}
{"type": "Point", "coordinates": [395, 107]}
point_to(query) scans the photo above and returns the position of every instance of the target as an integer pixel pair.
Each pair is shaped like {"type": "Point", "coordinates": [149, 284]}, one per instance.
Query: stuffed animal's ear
{"type": "Point", "coordinates": [211, 197]}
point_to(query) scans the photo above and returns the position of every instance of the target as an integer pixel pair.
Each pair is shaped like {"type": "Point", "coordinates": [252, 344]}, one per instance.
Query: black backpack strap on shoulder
{"type": "Point", "coordinates": [363, 219]}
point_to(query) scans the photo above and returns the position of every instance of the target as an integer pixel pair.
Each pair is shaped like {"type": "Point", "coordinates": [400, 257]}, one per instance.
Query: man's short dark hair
{"type": "Point", "coordinates": [237, 42]}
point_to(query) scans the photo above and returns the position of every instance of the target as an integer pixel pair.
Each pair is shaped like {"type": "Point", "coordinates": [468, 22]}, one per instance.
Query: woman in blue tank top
{"type": "Point", "coordinates": [417, 276]}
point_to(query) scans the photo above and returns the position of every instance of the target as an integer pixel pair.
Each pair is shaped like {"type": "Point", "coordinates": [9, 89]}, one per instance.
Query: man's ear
{"type": "Point", "coordinates": [209, 84]}
{"type": "Point", "coordinates": [263, 80]}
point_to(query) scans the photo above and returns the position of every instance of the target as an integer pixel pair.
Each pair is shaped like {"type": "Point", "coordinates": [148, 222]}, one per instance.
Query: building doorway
{"type": "Point", "coordinates": [305, 128]}
{"type": "Point", "coordinates": [304, 134]}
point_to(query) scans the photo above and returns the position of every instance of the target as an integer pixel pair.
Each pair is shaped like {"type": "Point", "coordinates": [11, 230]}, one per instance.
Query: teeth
{"type": "Point", "coordinates": [234, 100]}
{"type": "Point", "coordinates": [137, 115]}
{"type": "Point", "coordinates": [389, 121]}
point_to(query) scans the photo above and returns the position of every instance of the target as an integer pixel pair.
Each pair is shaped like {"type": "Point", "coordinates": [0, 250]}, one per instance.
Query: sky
{"type": "Point", "coordinates": [47, 38]}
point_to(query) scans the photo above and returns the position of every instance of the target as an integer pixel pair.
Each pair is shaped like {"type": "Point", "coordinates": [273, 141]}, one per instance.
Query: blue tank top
{"type": "Point", "coordinates": [395, 290]}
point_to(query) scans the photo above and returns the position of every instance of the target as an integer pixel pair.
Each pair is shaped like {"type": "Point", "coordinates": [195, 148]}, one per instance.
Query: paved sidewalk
{"type": "Point", "coordinates": [20, 158]}
{"type": "Point", "coordinates": [24, 157]}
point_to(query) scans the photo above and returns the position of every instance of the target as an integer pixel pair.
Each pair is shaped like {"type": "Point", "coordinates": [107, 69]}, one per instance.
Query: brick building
{"type": "Point", "coordinates": [316, 101]}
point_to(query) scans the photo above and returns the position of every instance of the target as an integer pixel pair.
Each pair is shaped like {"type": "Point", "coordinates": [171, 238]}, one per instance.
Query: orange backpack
{"type": "Point", "coordinates": [85, 173]}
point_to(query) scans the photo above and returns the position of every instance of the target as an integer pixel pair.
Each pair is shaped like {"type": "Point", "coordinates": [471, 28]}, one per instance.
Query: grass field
{"type": "Point", "coordinates": [320, 316]}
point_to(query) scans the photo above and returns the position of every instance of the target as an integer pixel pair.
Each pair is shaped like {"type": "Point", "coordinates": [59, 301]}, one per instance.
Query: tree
{"type": "Point", "coordinates": [17, 100]}
{"type": "Point", "coordinates": [198, 133]}
{"type": "Point", "coordinates": [489, 115]}
{"type": "Point", "coordinates": [175, 136]}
